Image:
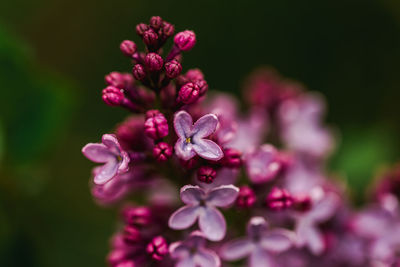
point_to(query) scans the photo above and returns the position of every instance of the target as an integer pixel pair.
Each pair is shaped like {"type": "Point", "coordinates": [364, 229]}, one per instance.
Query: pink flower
{"type": "Point", "coordinates": [259, 245]}
{"type": "Point", "coordinates": [192, 252]}
{"type": "Point", "coordinates": [109, 152]}
{"type": "Point", "coordinates": [191, 137]}
{"type": "Point", "coordinates": [201, 205]}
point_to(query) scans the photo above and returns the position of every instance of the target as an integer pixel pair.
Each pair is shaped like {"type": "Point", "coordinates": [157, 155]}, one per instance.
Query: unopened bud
{"type": "Point", "coordinates": [185, 40]}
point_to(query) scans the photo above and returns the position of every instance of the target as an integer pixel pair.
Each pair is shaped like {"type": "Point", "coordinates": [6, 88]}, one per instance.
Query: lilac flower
{"type": "Point", "coordinates": [260, 245]}
{"type": "Point", "coordinates": [200, 204]}
{"type": "Point", "coordinates": [193, 253]}
{"type": "Point", "coordinates": [191, 137]}
{"type": "Point", "coordinates": [109, 152]}
{"type": "Point", "coordinates": [262, 164]}
{"type": "Point", "coordinates": [323, 207]}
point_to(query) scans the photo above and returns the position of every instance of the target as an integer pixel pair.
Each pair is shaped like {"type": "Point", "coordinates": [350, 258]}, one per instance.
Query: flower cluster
{"type": "Point", "coordinates": [264, 170]}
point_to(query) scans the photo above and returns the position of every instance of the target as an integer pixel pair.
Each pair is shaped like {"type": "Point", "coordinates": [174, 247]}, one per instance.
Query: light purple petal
{"type": "Point", "coordinates": [277, 240]}
{"type": "Point", "coordinates": [107, 172]}
{"type": "Point", "coordinates": [192, 194]}
{"type": "Point", "coordinates": [309, 235]}
{"type": "Point", "coordinates": [236, 249]}
{"type": "Point", "coordinates": [111, 142]}
{"type": "Point", "coordinates": [205, 126]}
{"type": "Point", "coordinates": [124, 163]}
{"type": "Point", "coordinates": [183, 124]}
{"type": "Point", "coordinates": [206, 258]}
{"type": "Point", "coordinates": [260, 257]}
{"type": "Point", "coordinates": [186, 262]}
{"type": "Point", "coordinates": [178, 250]}
{"type": "Point", "coordinates": [222, 196]}
{"type": "Point", "coordinates": [325, 208]}
{"type": "Point", "coordinates": [183, 217]}
{"type": "Point", "coordinates": [208, 149]}
{"type": "Point", "coordinates": [97, 153]}
{"type": "Point", "coordinates": [184, 150]}
{"type": "Point", "coordinates": [212, 224]}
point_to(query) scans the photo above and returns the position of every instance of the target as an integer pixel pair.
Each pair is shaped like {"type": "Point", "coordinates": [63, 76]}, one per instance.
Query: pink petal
{"type": "Point", "coordinates": [222, 196]}
{"type": "Point", "coordinates": [277, 240]}
{"type": "Point", "coordinates": [205, 126]}
{"type": "Point", "coordinates": [208, 149]}
{"type": "Point", "coordinates": [260, 256]}
{"type": "Point", "coordinates": [183, 150]}
{"type": "Point", "coordinates": [97, 153]}
{"type": "Point", "coordinates": [183, 217]}
{"type": "Point", "coordinates": [325, 208]}
{"type": "Point", "coordinates": [124, 163]}
{"type": "Point", "coordinates": [212, 224]}
{"type": "Point", "coordinates": [183, 124]}
{"type": "Point", "coordinates": [111, 142]}
{"type": "Point", "coordinates": [206, 258]}
{"type": "Point", "coordinates": [309, 235]}
{"type": "Point", "coordinates": [236, 249]}
{"type": "Point", "coordinates": [186, 262]}
{"type": "Point", "coordinates": [107, 172]}
{"type": "Point", "coordinates": [178, 250]}
{"type": "Point", "coordinates": [191, 194]}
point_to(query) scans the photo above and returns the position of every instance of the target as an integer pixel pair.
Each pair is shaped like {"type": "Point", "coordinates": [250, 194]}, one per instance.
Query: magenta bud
{"type": "Point", "coordinates": [189, 93]}
{"type": "Point", "coordinates": [246, 197]}
{"type": "Point", "coordinates": [168, 29]}
{"type": "Point", "coordinates": [232, 158]}
{"type": "Point", "coordinates": [302, 203]}
{"type": "Point", "coordinates": [162, 151]}
{"type": "Point", "coordinates": [172, 69]}
{"type": "Point", "coordinates": [150, 37]}
{"type": "Point", "coordinates": [139, 72]}
{"type": "Point", "coordinates": [126, 263]}
{"type": "Point", "coordinates": [194, 74]}
{"type": "Point", "coordinates": [154, 62]}
{"type": "Point", "coordinates": [141, 28]}
{"type": "Point", "coordinates": [156, 22]}
{"type": "Point", "coordinates": [128, 48]}
{"type": "Point", "coordinates": [115, 79]}
{"type": "Point", "coordinates": [131, 234]}
{"type": "Point", "coordinates": [203, 86]}
{"type": "Point", "coordinates": [206, 174]}
{"type": "Point", "coordinates": [113, 96]}
{"type": "Point", "coordinates": [185, 40]}
{"type": "Point", "coordinates": [279, 199]}
{"type": "Point", "coordinates": [156, 125]}
{"type": "Point", "coordinates": [157, 248]}
{"type": "Point", "coordinates": [138, 216]}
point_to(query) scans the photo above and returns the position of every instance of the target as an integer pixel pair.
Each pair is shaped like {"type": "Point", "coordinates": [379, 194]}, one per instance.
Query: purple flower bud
{"type": "Point", "coordinates": [156, 125]}
{"type": "Point", "coordinates": [172, 69]}
{"type": "Point", "coordinates": [115, 79]}
{"type": "Point", "coordinates": [194, 74]}
{"type": "Point", "coordinates": [138, 216]}
{"type": "Point", "coordinates": [168, 29]}
{"type": "Point", "coordinates": [246, 197]}
{"type": "Point", "coordinates": [203, 86]}
{"type": "Point", "coordinates": [116, 256]}
{"type": "Point", "coordinates": [150, 37]}
{"type": "Point", "coordinates": [206, 174]}
{"type": "Point", "coordinates": [279, 199]}
{"type": "Point", "coordinates": [139, 72]}
{"type": "Point", "coordinates": [113, 96]}
{"type": "Point", "coordinates": [131, 234]}
{"type": "Point", "coordinates": [185, 40]}
{"type": "Point", "coordinates": [141, 28]}
{"type": "Point", "coordinates": [128, 48]}
{"type": "Point", "coordinates": [162, 151]}
{"type": "Point", "coordinates": [302, 203]}
{"type": "Point", "coordinates": [232, 158]}
{"type": "Point", "coordinates": [126, 263]}
{"type": "Point", "coordinates": [157, 248]}
{"type": "Point", "coordinates": [154, 62]}
{"type": "Point", "coordinates": [156, 22]}
{"type": "Point", "coordinates": [189, 93]}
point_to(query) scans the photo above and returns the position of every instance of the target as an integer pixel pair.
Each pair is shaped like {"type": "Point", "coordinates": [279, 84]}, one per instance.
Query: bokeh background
{"type": "Point", "coordinates": [55, 53]}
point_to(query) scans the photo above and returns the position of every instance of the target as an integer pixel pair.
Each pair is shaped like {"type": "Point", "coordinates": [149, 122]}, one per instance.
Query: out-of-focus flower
{"type": "Point", "coordinates": [279, 199]}
{"type": "Point", "coordinates": [201, 205]}
{"type": "Point", "coordinates": [192, 252]}
{"type": "Point", "coordinates": [191, 137]}
{"type": "Point", "coordinates": [246, 197]}
{"type": "Point", "coordinates": [109, 152]}
{"type": "Point", "coordinates": [260, 245]}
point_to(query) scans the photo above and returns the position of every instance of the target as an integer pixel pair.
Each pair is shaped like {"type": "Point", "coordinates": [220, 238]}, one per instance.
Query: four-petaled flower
{"type": "Point", "coordinates": [192, 252]}
{"type": "Point", "coordinates": [191, 137]}
{"type": "Point", "coordinates": [200, 204]}
{"type": "Point", "coordinates": [109, 152]}
{"type": "Point", "coordinates": [260, 244]}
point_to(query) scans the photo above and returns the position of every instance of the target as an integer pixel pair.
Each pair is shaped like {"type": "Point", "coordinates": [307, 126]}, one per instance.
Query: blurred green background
{"type": "Point", "coordinates": [54, 55]}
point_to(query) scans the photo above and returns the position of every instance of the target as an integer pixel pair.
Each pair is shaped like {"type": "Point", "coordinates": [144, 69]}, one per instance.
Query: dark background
{"type": "Point", "coordinates": [54, 55]}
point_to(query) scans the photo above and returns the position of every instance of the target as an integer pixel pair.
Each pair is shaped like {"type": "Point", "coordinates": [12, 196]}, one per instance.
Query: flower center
{"type": "Point", "coordinates": [188, 140]}
{"type": "Point", "coordinates": [119, 158]}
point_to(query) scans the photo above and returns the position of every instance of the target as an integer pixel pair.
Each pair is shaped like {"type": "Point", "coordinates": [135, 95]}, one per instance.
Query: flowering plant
{"type": "Point", "coordinates": [264, 170]}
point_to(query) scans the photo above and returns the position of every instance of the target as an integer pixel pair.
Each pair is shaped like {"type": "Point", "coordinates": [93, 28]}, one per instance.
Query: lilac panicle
{"type": "Point", "coordinates": [191, 136]}
{"type": "Point", "coordinates": [201, 205]}
{"type": "Point", "coordinates": [110, 153]}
